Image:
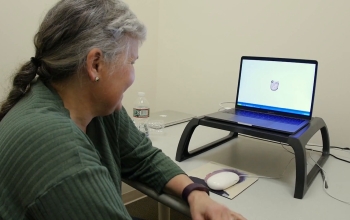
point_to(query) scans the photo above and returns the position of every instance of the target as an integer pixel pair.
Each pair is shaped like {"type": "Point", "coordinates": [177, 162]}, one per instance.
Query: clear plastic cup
{"type": "Point", "coordinates": [156, 127]}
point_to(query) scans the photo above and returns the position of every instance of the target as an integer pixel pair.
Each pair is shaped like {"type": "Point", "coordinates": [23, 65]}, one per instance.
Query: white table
{"type": "Point", "coordinates": [267, 198]}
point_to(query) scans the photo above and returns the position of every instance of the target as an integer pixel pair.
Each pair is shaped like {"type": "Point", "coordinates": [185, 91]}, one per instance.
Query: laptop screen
{"type": "Point", "coordinates": [275, 84]}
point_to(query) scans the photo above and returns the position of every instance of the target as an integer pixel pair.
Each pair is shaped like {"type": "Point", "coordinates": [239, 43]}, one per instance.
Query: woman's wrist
{"type": "Point", "coordinates": [195, 195]}
{"type": "Point", "coordinates": [193, 187]}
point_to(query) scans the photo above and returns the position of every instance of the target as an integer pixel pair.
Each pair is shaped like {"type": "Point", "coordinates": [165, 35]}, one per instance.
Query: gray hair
{"type": "Point", "coordinates": [68, 32]}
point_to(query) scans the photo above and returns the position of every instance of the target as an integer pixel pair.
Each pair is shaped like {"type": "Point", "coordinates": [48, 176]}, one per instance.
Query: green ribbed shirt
{"type": "Point", "coordinates": [50, 169]}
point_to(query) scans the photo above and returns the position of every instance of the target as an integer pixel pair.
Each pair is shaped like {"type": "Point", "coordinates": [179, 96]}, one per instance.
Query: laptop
{"type": "Point", "coordinates": [171, 117]}
{"type": "Point", "coordinates": [273, 93]}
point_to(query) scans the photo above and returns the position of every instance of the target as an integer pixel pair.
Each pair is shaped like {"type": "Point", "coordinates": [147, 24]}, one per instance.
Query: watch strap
{"type": "Point", "coordinates": [191, 187]}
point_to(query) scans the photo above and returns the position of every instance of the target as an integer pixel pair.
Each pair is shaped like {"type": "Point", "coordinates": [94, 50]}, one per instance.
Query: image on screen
{"type": "Point", "coordinates": [276, 85]}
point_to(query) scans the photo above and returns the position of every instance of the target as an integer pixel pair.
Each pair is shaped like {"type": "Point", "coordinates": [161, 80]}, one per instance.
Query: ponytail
{"type": "Point", "coordinates": [20, 86]}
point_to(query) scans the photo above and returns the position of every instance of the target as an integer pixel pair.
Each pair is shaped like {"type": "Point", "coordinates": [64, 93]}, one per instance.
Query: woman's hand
{"type": "Point", "coordinates": [201, 205]}
{"type": "Point", "coordinates": [204, 208]}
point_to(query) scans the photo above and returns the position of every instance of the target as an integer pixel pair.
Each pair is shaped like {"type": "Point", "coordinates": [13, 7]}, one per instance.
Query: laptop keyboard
{"type": "Point", "coordinates": [276, 118]}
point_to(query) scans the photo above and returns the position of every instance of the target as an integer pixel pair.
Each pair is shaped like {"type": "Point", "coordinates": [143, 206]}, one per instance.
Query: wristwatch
{"type": "Point", "coordinates": [193, 186]}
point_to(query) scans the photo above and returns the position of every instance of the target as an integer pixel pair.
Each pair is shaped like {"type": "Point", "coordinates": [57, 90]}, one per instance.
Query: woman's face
{"type": "Point", "coordinates": [116, 79]}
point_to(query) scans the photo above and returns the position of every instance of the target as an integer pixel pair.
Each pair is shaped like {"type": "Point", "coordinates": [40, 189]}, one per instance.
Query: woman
{"type": "Point", "coordinates": [66, 141]}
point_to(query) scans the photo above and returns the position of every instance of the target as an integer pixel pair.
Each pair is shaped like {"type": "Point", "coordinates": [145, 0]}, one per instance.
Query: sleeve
{"type": "Point", "coordinates": [140, 160]}
{"type": "Point", "coordinates": [88, 194]}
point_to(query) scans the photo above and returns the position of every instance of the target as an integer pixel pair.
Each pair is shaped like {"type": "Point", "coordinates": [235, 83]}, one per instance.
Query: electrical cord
{"type": "Point", "coordinates": [222, 107]}
{"type": "Point", "coordinates": [341, 159]}
{"type": "Point", "coordinates": [290, 151]}
{"type": "Point", "coordinates": [323, 174]}
{"type": "Point", "coordinates": [332, 147]}
{"type": "Point", "coordinates": [325, 183]}
{"type": "Point", "coordinates": [322, 171]}
{"type": "Point", "coordinates": [286, 148]}
{"type": "Point", "coordinates": [340, 148]}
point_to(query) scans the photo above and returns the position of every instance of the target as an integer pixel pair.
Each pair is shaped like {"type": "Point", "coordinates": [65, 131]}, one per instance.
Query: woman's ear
{"type": "Point", "coordinates": [94, 64]}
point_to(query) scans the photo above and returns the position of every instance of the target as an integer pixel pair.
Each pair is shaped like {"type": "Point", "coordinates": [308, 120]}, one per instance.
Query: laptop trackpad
{"type": "Point", "coordinates": [252, 121]}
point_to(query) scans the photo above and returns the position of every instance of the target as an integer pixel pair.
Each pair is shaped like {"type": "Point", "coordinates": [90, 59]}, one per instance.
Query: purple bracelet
{"type": "Point", "coordinates": [193, 186]}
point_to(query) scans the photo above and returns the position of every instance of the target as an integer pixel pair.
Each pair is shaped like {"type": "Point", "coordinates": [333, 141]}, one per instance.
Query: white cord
{"type": "Point", "coordinates": [285, 148]}
{"type": "Point", "coordinates": [222, 107]}
{"type": "Point", "coordinates": [290, 151]}
{"type": "Point", "coordinates": [325, 180]}
{"type": "Point", "coordinates": [324, 183]}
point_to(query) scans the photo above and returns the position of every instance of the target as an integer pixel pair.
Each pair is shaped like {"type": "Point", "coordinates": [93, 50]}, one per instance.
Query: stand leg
{"type": "Point", "coordinates": [300, 166]}
{"type": "Point", "coordinates": [322, 160]}
{"type": "Point", "coordinates": [303, 180]}
{"type": "Point", "coordinates": [182, 149]}
{"type": "Point", "coordinates": [325, 141]}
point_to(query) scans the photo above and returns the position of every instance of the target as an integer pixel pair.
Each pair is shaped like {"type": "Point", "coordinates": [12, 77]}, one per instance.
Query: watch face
{"type": "Point", "coordinates": [274, 85]}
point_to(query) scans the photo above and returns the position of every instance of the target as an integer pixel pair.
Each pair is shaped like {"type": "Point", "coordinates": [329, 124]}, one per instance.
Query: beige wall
{"type": "Point", "coordinates": [201, 42]}
{"type": "Point", "coordinates": [19, 21]}
{"type": "Point", "coordinates": [190, 60]}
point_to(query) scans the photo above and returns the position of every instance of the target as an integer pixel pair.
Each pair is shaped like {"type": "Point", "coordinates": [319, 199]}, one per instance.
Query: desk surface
{"type": "Point", "coordinates": [267, 198]}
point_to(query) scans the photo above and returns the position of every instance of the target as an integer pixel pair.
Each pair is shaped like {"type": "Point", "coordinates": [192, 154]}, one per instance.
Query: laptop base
{"type": "Point", "coordinates": [274, 126]}
{"type": "Point", "coordinates": [297, 141]}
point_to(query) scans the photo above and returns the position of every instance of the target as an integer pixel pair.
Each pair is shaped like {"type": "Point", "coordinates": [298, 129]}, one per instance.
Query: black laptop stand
{"type": "Point", "coordinates": [297, 141]}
